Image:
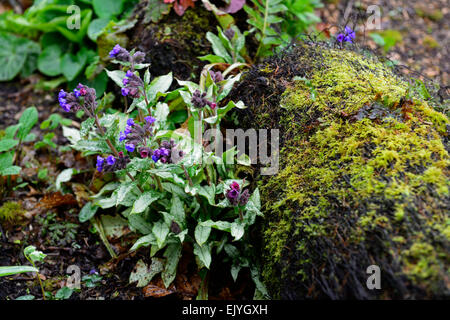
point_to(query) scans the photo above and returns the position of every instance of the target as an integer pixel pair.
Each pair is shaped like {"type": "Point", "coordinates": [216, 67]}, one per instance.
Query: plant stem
{"type": "Point", "coordinates": [98, 225]}
{"type": "Point", "coordinates": [39, 279]}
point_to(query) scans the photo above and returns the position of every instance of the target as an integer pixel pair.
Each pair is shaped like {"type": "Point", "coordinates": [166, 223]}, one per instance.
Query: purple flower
{"type": "Point", "coordinates": [232, 195]}
{"type": "Point", "coordinates": [122, 136]}
{"type": "Point", "coordinates": [113, 53]}
{"type": "Point", "coordinates": [130, 122]}
{"type": "Point", "coordinates": [77, 93]}
{"type": "Point", "coordinates": [93, 271]}
{"type": "Point", "coordinates": [155, 158]}
{"type": "Point", "coordinates": [347, 36]}
{"type": "Point", "coordinates": [100, 162]}
{"type": "Point", "coordinates": [127, 130]}
{"type": "Point", "coordinates": [243, 199]}
{"type": "Point", "coordinates": [125, 81]}
{"type": "Point", "coordinates": [157, 153]}
{"type": "Point", "coordinates": [130, 147]}
{"type": "Point", "coordinates": [125, 91]}
{"type": "Point", "coordinates": [129, 73]}
{"type": "Point", "coordinates": [145, 152]}
{"type": "Point", "coordinates": [110, 160]}
{"type": "Point", "coordinates": [235, 186]}
{"type": "Point", "coordinates": [164, 152]}
{"type": "Point", "coordinates": [150, 119]}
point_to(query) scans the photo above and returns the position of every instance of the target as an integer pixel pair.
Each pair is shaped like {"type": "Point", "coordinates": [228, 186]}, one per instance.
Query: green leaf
{"type": "Point", "coordinates": [96, 28]}
{"type": "Point", "coordinates": [237, 230]}
{"type": "Point", "coordinates": [218, 47]}
{"type": "Point", "coordinates": [144, 274]}
{"type": "Point", "coordinates": [7, 144]}
{"type": "Point", "coordinates": [145, 200]}
{"type": "Point", "coordinates": [87, 212]}
{"type": "Point", "coordinates": [202, 234]}
{"type": "Point", "coordinates": [116, 76]}
{"type": "Point", "coordinates": [204, 255]}
{"type": "Point", "coordinates": [212, 58]}
{"type": "Point", "coordinates": [86, 126]}
{"type": "Point", "coordinates": [144, 241]}
{"type": "Point", "coordinates": [123, 191]}
{"type": "Point", "coordinates": [172, 254]}
{"type": "Point", "coordinates": [64, 176]}
{"type": "Point", "coordinates": [161, 112]}
{"type": "Point", "coordinates": [159, 84]}
{"type": "Point", "coordinates": [6, 160]}
{"type": "Point", "coordinates": [177, 210]}
{"type": "Point", "coordinates": [72, 65]}
{"type": "Point", "coordinates": [10, 171]}
{"type": "Point", "coordinates": [220, 225]}
{"type": "Point", "coordinates": [13, 54]}
{"type": "Point", "coordinates": [49, 61]}
{"type": "Point", "coordinates": [160, 230]}
{"type": "Point", "coordinates": [34, 255]}
{"type": "Point", "coordinates": [64, 293]}
{"type": "Point", "coordinates": [27, 121]}
{"type": "Point", "coordinates": [107, 8]}
{"type": "Point", "coordinates": [7, 271]}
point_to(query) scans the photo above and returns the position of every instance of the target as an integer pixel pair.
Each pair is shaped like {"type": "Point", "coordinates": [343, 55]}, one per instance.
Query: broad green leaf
{"type": "Point", "coordinates": [161, 112]}
{"type": "Point", "coordinates": [116, 76]}
{"type": "Point", "coordinates": [64, 293]}
{"type": "Point", "coordinates": [237, 230]}
{"type": "Point", "coordinates": [220, 225]}
{"type": "Point", "coordinates": [6, 160]}
{"type": "Point", "coordinates": [96, 27]}
{"type": "Point", "coordinates": [177, 210]}
{"type": "Point", "coordinates": [13, 54]}
{"type": "Point", "coordinates": [87, 212]}
{"type": "Point", "coordinates": [72, 65]}
{"type": "Point", "coordinates": [143, 274]}
{"type": "Point", "coordinates": [160, 231]}
{"type": "Point", "coordinates": [218, 47]}
{"type": "Point", "coordinates": [34, 255]}
{"type": "Point", "coordinates": [172, 255]}
{"type": "Point", "coordinates": [107, 8]}
{"type": "Point", "coordinates": [49, 61]}
{"type": "Point", "coordinates": [145, 200]}
{"type": "Point", "coordinates": [27, 120]}
{"type": "Point", "coordinates": [7, 144]}
{"type": "Point", "coordinates": [144, 241]}
{"type": "Point", "coordinates": [11, 171]}
{"type": "Point", "coordinates": [124, 191]}
{"type": "Point", "coordinates": [64, 176]}
{"type": "Point", "coordinates": [201, 234]}
{"type": "Point", "coordinates": [159, 84]}
{"type": "Point", "coordinates": [204, 255]}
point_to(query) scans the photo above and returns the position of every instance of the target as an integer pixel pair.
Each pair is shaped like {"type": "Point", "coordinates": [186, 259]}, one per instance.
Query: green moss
{"type": "Point", "coordinates": [11, 214]}
{"type": "Point", "coordinates": [359, 169]}
{"type": "Point", "coordinates": [430, 42]}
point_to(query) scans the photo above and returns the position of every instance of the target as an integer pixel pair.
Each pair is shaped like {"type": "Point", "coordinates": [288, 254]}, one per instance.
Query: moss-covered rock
{"type": "Point", "coordinates": [363, 180]}
{"type": "Point", "coordinates": [174, 43]}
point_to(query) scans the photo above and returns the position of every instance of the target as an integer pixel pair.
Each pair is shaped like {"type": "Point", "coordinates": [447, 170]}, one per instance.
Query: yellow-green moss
{"type": "Point", "coordinates": [11, 214]}
{"type": "Point", "coordinates": [384, 174]}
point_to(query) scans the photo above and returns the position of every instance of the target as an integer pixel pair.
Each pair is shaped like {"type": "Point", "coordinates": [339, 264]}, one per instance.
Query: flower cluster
{"type": "Point", "coordinates": [111, 163]}
{"type": "Point", "coordinates": [347, 36]}
{"type": "Point", "coordinates": [216, 76]}
{"type": "Point", "coordinates": [81, 97]}
{"type": "Point", "coordinates": [235, 196]}
{"type": "Point", "coordinates": [199, 101]}
{"type": "Point", "coordinates": [132, 83]}
{"type": "Point", "coordinates": [167, 153]}
{"type": "Point", "coordinates": [135, 134]}
{"type": "Point", "coordinates": [124, 55]}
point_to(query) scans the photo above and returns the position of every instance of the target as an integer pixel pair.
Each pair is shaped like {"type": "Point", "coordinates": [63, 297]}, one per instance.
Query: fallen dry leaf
{"type": "Point", "coordinates": [155, 291]}
{"type": "Point", "coordinates": [56, 199]}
